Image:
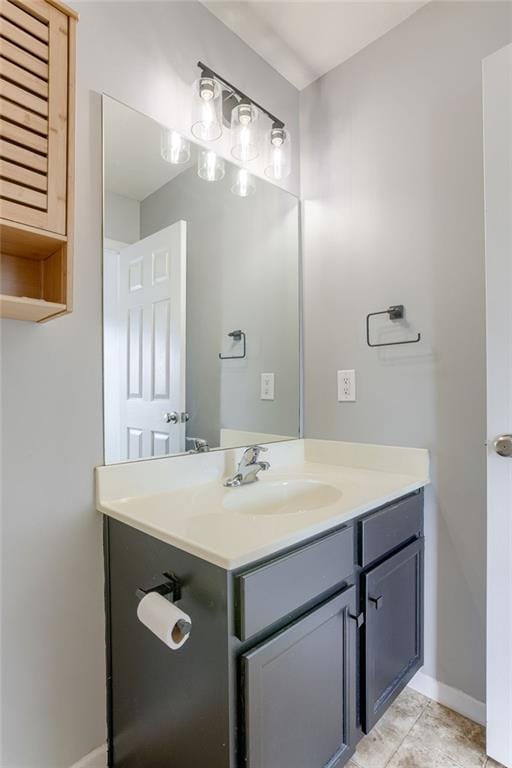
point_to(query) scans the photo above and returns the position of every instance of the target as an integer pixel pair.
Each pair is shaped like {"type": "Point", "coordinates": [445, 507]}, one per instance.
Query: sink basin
{"type": "Point", "coordinates": [280, 497]}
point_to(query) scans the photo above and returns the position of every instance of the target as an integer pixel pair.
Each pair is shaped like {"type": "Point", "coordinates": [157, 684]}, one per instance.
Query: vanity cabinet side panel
{"type": "Point", "coordinates": [166, 705]}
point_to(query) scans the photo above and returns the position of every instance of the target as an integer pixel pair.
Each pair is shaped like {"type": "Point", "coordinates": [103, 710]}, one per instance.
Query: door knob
{"type": "Point", "coordinates": [185, 416]}
{"type": "Point", "coordinates": [503, 445]}
{"type": "Point", "coordinates": [171, 418]}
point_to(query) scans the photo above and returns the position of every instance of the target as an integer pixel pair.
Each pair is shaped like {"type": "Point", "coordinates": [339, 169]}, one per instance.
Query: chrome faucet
{"type": "Point", "coordinates": [199, 445]}
{"type": "Point", "coordinates": [248, 467]}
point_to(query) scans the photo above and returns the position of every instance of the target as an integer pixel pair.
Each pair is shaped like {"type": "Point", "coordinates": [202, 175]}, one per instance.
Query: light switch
{"type": "Point", "coordinates": [267, 386]}
{"type": "Point", "coordinates": [346, 386]}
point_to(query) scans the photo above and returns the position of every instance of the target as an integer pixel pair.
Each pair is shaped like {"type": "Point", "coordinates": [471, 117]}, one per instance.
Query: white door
{"type": "Point", "coordinates": [152, 296]}
{"type": "Point", "coordinates": [497, 73]}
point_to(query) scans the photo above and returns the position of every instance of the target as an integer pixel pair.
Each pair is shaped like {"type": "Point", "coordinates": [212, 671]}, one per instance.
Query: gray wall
{"type": "Point", "coordinates": [242, 272]}
{"type": "Point", "coordinates": [122, 218]}
{"type": "Point", "coordinates": [391, 169]}
{"type": "Point", "coordinates": [52, 572]}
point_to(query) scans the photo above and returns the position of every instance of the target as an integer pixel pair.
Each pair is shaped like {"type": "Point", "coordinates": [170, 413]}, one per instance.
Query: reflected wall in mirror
{"type": "Point", "coordinates": [200, 294]}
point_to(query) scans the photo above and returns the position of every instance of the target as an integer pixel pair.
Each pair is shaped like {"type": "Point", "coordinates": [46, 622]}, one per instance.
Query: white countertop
{"type": "Point", "coordinates": [186, 505]}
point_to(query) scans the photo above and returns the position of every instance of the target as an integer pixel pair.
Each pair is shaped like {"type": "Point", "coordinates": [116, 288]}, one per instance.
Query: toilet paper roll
{"type": "Point", "coordinates": [171, 625]}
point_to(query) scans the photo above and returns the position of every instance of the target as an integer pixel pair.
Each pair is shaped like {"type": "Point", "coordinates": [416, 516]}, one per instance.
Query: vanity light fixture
{"type": "Point", "coordinates": [207, 108]}
{"type": "Point", "coordinates": [174, 148]}
{"type": "Point", "coordinates": [210, 166]}
{"type": "Point", "coordinates": [244, 184]}
{"type": "Point", "coordinates": [218, 102]}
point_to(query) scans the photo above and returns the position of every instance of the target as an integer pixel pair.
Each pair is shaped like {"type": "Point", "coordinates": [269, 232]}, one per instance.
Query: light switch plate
{"type": "Point", "coordinates": [267, 386]}
{"type": "Point", "coordinates": [346, 386]}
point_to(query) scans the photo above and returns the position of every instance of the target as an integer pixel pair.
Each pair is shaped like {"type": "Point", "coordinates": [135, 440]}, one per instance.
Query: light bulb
{"type": "Point", "coordinates": [277, 163]}
{"type": "Point", "coordinates": [210, 166]}
{"type": "Point", "coordinates": [208, 115]}
{"type": "Point", "coordinates": [211, 161]}
{"type": "Point", "coordinates": [174, 148]}
{"type": "Point", "coordinates": [244, 128]}
{"type": "Point", "coordinates": [206, 109]}
{"type": "Point", "coordinates": [243, 183]}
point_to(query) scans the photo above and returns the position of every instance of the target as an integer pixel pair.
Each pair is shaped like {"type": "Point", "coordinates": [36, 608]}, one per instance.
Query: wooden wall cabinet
{"type": "Point", "coordinates": [37, 106]}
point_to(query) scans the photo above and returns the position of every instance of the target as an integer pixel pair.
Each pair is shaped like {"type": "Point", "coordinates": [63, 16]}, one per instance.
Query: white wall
{"type": "Point", "coordinates": [122, 218]}
{"type": "Point", "coordinates": [392, 179]}
{"type": "Point", "coordinates": [52, 569]}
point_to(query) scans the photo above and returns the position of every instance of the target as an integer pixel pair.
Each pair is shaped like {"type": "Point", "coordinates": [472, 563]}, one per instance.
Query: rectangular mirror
{"type": "Point", "coordinates": [200, 296]}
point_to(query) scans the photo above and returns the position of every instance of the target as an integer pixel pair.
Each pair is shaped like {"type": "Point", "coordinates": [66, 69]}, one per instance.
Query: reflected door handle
{"type": "Point", "coordinates": [503, 445]}
{"type": "Point", "coordinates": [171, 418]}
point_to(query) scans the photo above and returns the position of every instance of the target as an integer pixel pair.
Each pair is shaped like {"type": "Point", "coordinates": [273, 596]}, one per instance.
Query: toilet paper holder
{"type": "Point", "coordinates": [170, 588]}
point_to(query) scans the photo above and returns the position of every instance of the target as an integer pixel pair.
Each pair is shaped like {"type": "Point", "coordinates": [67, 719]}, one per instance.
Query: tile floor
{"type": "Point", "coordinates": [419, 733]}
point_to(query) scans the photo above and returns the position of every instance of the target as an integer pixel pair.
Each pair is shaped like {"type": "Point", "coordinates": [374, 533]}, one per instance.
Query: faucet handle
{"type": "Point", "coordinates": [251, 454]}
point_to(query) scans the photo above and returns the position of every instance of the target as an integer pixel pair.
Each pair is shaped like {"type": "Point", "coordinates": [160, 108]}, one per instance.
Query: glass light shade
{"type": "Point", "coordinates": [244, 130]}
{"type": "Point", "coordinates": [278, 154]}
{"type": "Point", "coordinates": [174, 148]}
{"type": "Point", "coordinates": [244, 184]}
{"type": "Point", "coordinates": [207, 109]}
{"type": "Point", "coordinates": [210, 166]}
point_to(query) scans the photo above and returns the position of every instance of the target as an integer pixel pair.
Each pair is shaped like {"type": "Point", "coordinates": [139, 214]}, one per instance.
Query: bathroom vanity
{"type": "Point", "coordinates": [305, 591]}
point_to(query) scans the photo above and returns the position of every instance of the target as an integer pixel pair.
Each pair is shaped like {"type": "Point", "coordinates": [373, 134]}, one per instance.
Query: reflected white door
{"type": "Point", "coordinates": [152, 296]}
{"type": "Point", "coordinates": [497, 78]}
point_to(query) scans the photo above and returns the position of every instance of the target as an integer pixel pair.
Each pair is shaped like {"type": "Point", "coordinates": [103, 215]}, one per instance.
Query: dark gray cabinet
{"type": "Point", "coordinates": [393, 631]}
{"type": "Point", "coordinates": [290, 658]}
{"type": "Point", "coordinates": [299, 691]}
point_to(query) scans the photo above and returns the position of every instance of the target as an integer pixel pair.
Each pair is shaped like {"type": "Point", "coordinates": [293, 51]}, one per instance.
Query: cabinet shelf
{"type": "Point", "coordinates": [28, 242]}
{"type": "Point", "coordinates": [24, 308]}
{"type": "Point", "coordinates": [34, 278]}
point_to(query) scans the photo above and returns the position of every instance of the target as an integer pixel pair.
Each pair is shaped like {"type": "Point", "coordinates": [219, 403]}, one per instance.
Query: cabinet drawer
{"type": "Point", "coordinates": [274, 590]}
{"type": "Point", "coordinates": [389, 527]}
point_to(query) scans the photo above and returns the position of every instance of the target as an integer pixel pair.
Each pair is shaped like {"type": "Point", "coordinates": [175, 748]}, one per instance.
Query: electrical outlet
{"type": "Point", "coordinates": [267, 386]}
{"type": "Point", "coordinates": [346, 386]}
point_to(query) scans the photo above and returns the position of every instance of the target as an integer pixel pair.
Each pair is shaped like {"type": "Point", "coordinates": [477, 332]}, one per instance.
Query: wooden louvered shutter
{"type": "Point", "coordinates": [33, 114]}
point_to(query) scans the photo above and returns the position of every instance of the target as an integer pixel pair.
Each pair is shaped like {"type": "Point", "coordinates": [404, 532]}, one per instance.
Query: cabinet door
{"type": "Point", "coordinates": [299, 691]}
{"type": "Point", "coordinates": [393, 634]}
{"type": "Point", "coordinates": [34, 71]}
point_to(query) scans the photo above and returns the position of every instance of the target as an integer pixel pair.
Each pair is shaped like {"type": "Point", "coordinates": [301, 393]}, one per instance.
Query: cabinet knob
{"type": "Point", "coordinates": [377, 601]}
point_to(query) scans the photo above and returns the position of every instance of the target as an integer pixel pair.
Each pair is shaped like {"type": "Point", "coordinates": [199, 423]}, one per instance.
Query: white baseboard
{"type": "Point", "coordinates": [450, 697]}
{"type": "Point", "coordinates": [95, 759]}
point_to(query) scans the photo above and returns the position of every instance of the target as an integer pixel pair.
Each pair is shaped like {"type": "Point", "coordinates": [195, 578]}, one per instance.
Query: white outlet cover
{"type": "Point", "coordinates": [267, 386]}
{"type": "Point", "coordinates": [347, 386]}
